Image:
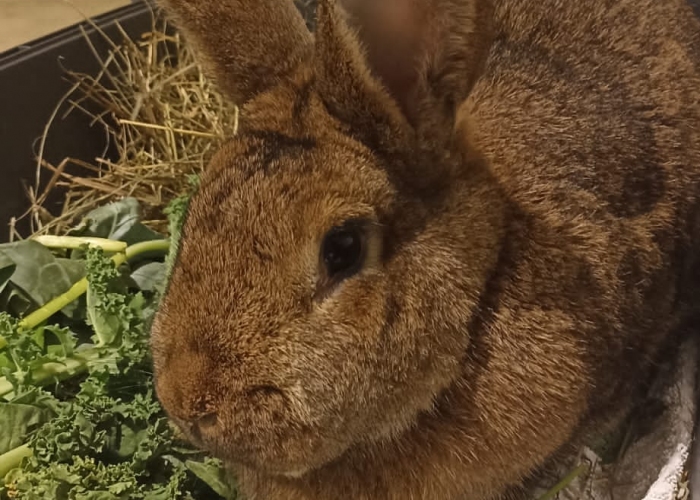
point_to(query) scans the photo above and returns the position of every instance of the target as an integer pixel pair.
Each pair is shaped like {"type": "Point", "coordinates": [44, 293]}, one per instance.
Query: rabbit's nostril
{"type": "Point", "coordinates": [207, 422]}
{"type": "Point", "coordinates": [205, 425]}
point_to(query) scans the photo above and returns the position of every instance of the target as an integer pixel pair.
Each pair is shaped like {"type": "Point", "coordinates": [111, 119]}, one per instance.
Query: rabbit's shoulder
{"type": "Point", "coordinates": [589, 115]}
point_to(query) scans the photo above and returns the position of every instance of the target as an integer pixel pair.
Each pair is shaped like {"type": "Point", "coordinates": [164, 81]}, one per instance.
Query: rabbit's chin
{"type": "Point", "coordinates": [289, 452]}
{"type": "Point", "coordinates": [275, 462]}
{"type": "Point", "coordinates": [292, 457]}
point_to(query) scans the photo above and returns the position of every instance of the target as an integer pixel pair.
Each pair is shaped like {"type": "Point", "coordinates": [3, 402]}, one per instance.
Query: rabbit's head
{"type": "Point", "coordinates": [316, 301]}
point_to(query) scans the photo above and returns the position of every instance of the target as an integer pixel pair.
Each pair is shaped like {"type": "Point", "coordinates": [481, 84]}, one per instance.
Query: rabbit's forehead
{"type": "Point", "coordinates": [301, 151]}
{"type": "Point", "coordinates": [284, 200]}
{"type": "Point", "coordinates": [268, 174]}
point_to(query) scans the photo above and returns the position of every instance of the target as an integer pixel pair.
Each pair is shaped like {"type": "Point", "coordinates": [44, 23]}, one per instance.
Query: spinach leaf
{"type": "Point", "coordinates": [16, 421]}
{"type": "Point", "coordinates": [38, 275]}
{"type": "Point", "coordinates": [5, 274]}
{"type": "Point", "coordinates": [214, 475]}
{"type": "Point", "coordinates": [149, 277]}
{"type": "Point", "coordinates": [117, 221]}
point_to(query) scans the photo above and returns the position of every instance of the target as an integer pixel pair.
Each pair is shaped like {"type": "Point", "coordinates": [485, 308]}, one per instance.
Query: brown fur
{"type": "Point", "coordinates": [528, 173]}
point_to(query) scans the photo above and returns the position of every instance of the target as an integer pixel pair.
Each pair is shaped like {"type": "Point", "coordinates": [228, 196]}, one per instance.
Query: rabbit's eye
{"type": "Point", "coordinates": [343, 251]}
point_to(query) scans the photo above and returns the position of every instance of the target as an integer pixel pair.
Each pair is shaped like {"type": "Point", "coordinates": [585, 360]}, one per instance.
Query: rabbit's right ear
{"type": "Point", "coordinates": [397, 71]}
{"type": "Point", "coordinates": [249, 45]}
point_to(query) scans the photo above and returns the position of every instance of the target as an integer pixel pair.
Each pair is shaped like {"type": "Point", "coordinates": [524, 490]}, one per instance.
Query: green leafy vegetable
{"type": "Point", "coordinates": [150, 276]}
{"type": "Point", "coordinates": [38, 274]}
{"type": "Point", "coordinates": [177, 212]}
{"type": "Point", "coordinates": [117, 221]}
{"type": "Point", "coordinates": [78, 414]}
{"type": "Point", "coordinates": [18, 420]}
{"type": "Point", "coordinates": [6, 273]}
{"type": "Point", "coordinates": [211, 471]}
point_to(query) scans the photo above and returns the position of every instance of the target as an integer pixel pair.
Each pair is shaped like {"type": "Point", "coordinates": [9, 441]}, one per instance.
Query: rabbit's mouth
{"type": "Point", "coordinates": [291, 454]}
{"type": "Point", "coordinates": [260, 430]}
{"type": "Point", "coordinates": [290, 457]}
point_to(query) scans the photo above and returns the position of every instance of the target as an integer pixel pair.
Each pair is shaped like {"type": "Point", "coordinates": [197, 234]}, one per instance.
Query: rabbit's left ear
{"type": "Point", "coordinates": [383, 65]}
{"type": "Point", "coordinates": [248, 46]}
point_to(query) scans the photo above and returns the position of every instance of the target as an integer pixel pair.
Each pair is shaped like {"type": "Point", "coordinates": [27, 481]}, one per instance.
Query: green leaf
{"type": "Point", "coordinates": [5, 361]}
{"type": "Point", "coordinates": [39, 398]}
{"type": "Point", "coordinates": [177, 213]}
{"type": "Point", "coordinates": [103, 436]}
{"type": "Point", "coordinates": [75, 269]}
{"type": "Point", "coordinates": [107, 325]}
{"type": "Point", "coordinates": [149, 277]}
{"type": "Point", "coordinates": [16, 302]}
{"type": "Point", "coordinates": [129, 442]}
{"type": "Point", "coordinates": [98, 495]}
{"type": "Point", "coordinates": [105, 307]}
{"type": "Point", "coordinates": [66, 340]}
{"type": "Point", "coordinates": [16, 421]}
{"type": "Point", "coordinates": [117, 221]}
{"type": "Point", "coordinates": [212, 472]}
{"type": "Point", "coordinates": [5, 274]}
{"type": "Point", "coordinates": [38, 275]}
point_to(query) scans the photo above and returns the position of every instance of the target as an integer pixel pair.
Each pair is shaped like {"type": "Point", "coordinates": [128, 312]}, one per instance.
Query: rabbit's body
{"type": "Point", "coordinates": [588, 114]}
{"type": "Point", "coordinates": [519, 282]}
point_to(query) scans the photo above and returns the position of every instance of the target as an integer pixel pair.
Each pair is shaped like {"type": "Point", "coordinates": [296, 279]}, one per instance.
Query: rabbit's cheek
{"type": "Point", "coordinates": [263, 428]}
{"type": "Point", "coordinates": [284, 449]}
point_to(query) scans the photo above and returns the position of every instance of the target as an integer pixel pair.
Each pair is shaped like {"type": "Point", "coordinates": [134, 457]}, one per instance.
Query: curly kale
{"type": "Point", "coordinates": [79, 418]}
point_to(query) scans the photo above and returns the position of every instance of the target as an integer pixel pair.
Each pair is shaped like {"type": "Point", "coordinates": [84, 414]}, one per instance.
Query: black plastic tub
{"type": "Point", "coordinates": [32, 82]}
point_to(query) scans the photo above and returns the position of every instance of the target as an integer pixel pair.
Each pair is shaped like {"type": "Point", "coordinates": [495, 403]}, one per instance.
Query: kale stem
{"type": "Point", "coordinates": [55, 371]}
{"type": "Point", "coordinates": [74, 242]}
{"type": "Point", "coordinates": [73, 365]}
{"type": "Point", "coordinates": [13, 458]}
{"type": "Point", "coordinates": [564, 482]}
{"type": "Point", "coordinates": [50, 308]}
{"type": "Point", "coordinates": [5, 386]}
{"type": "Point", "coordinates": [80, 287]}
{"type": "Point", "coordinates": [158, 247]}
{"type": "Point", "coordinates": [79, 362]}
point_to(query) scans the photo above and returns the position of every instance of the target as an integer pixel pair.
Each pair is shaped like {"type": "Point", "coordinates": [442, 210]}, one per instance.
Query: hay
{"type": "Point", "coordinates": [159, 110]}
{"type": "Point", "coordinates": [162, 115]}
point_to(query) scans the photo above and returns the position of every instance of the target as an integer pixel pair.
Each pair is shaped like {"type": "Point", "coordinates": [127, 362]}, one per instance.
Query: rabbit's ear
{"type": "Point", "coordinates": [248, 45]}
{"type": "Point", "coordinates": [427, 54]}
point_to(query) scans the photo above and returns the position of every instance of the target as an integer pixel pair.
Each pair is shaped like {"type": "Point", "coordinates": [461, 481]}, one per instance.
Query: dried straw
{"type": "Point", "coordinates": [161, 113]}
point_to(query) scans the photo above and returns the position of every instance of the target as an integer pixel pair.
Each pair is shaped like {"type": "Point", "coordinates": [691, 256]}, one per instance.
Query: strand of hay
{"type": "Point", "coordinates": [159, 110]}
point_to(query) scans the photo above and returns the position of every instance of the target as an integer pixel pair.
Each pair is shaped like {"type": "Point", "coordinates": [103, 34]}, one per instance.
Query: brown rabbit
{"type": "Point", "coordinates": [451, 237]}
